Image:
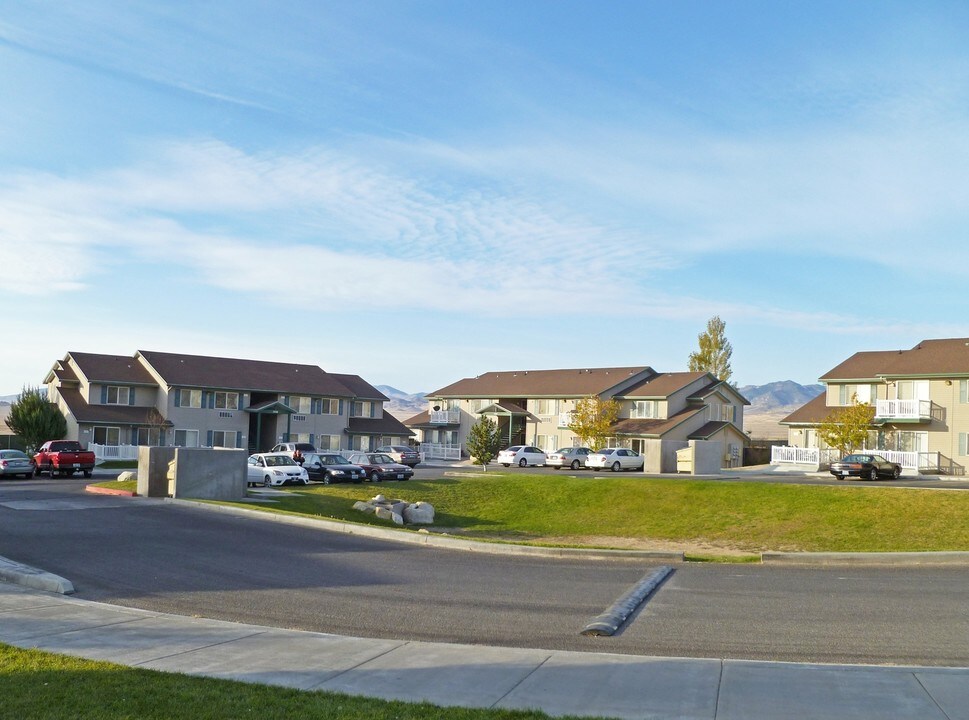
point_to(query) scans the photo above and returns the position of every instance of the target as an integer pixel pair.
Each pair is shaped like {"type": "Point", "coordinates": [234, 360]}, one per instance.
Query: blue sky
{"type": "Point", "coordinates": [417, 192]}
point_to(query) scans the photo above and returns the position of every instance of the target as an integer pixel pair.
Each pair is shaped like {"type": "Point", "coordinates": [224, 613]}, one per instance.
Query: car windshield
{"type": "Point", "coordinates": [274, 460]}
{"type": "Point", "coordinates": [381, 459]}
{"type": "Point", "coordinates": [335, 460]}
{"type": "Point", "coordinates": [13, 454]}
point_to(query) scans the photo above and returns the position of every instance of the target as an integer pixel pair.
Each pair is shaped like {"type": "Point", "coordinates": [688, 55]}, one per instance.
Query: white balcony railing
{"type": "Point", "coordinates": [903, 409]}
{"type": "Point", "coordinates": [785, 455]}
{"type": "Point", "coordinates": [445, 417]}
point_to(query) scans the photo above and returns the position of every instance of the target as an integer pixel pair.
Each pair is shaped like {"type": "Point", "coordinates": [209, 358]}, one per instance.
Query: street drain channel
{"type": "Point", "coordinates": [612, 619]}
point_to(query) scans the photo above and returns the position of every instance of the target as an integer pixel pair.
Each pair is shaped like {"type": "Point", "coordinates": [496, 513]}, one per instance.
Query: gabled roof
{"type": "Point", "coordinates": [663, 385]}
{"type": "Point", "coordinates": [386, 425]}
{"type": "Point", "coordinates": [105, 414]}
{"type": "Point", "coordinates": [578, 382]}
{"type": "Point", "coordinates": [654, 427]}
{"type": "Point", "coordinates": [812, 412]}
{"type": "Point", "coordinates": [939, 358]}
{"type": "Point", "coordinates": [237, 374]}
{"type": "Point", "coordinates": [120, 369]}
{"type": "Point", "coordinates": [359, 387]}
{"type": "Point", "coordinates": [708, 430]}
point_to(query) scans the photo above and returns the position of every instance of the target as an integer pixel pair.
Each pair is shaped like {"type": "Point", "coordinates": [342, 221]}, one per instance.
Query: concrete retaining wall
{"type": "Point", "coordinates": [199, 473]}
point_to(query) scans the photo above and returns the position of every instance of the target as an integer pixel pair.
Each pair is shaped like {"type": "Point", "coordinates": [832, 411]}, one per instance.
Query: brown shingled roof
{"type": "Point", "coordinates": [112, 369]}
{"type": "Point", "coordinates": [359, 387]}
{"type": "Point", "coordinates": [662, 386]}
{"type": "Point", "coordinates": [236, 374]}
{"type": "Point", "coordinates": [114, 414]}
{"type": "Point", "coordinates": [386, 425]}
{"type": "Point", "coordinates": [948, 356]}
{"type": "Point", "coordinates": [812, 412]}
{"type": "Point", "coordinates": [577, 382]}
{"type": "Point", "coordinates": [653, 427]}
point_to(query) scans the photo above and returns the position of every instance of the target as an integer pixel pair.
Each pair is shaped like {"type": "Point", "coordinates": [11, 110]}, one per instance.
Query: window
{"type": "Point", "coordinates": [149, 436]}
{"type": "Point", "coordinates": [186, 438]}
{"type": "Point", "coordinates": [328, 442]}
{"type": "Point", "coordinates": [864, 393]}
{"type": "Point", "coordinates": [642, 409]}
{"type": "Point", "coordinates": [191, 399]}
{"type": "Point", "coordinates": [301, 404]}
{"type": "Point", "coordinates": [226, 439]}
{"type": "Point", "coordinates": [548, 443]}
{"type": "Point", "coordinates": [547, 407]}
{"type": "Point", "coordinates": [363, 408]}
{"type": "Point", "coordinates": [964, 443]}
{"type": "Point", "coordinates": [323, 406]}
{"type": "Point", "coordinates": [107, 436]}
{"type": "Point", "coordinates": [227, 401]}
{"type": "Point", "coordinates": [117, 395]}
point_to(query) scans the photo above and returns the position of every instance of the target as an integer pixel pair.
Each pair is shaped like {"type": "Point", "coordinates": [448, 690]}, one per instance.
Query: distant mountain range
{"type": "Point", "coordinates": [403, 405]}
{"type": "Point", "coordinates": [779, 395]}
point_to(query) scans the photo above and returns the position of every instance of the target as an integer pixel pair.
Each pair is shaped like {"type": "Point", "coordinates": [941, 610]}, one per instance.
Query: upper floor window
{"type": "Point", "coordinates": [189, 398]}
{"type": "Point", "coordinates": [863, 393]}
{"type": "Point", "coordinates": [546, 407]}
{"type": "Point", "coordinates": [644, 409]}
{"type": "Point", "coordinates": [227, 400]}
{"type": "Point", "coordinates": [115, 395]}
{"type": "Point", "coordinates": [364, 408]}
{"type": "Point", "coordinates": [301, 404]}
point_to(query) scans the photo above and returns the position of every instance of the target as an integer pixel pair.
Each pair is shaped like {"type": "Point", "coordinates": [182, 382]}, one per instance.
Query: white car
{"type": "Point", "coordinates": [521, 455]}
{"type": "Point", "coordinates": [615, 459]}
{"type": "Point", "coordinates": [275, 468]}
{"type": "Point", "coordinates": [570, 457]}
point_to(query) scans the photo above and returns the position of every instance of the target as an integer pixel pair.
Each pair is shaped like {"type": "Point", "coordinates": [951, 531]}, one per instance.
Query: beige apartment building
{"type": "Point", "coordinates": [921, 399]}
{"type": "Point", "coordinates": [534, 407]}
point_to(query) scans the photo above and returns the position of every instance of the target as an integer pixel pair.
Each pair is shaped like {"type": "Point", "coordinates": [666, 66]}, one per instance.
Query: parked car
{"type": "Point", "coordinates": [865, 467]}
{"type": "Point", "coordinates": [616, 459]}
{"type": "Point", "coordinates": [380, 466]}
{"type": "Point", "coordinates": [401, 453]}
{"type": "Point", "coordinates": [521, 455]}
{"type": "Point", "coordinates": [14, 463]}
{"type": "Point", "coordinates": [331, 467]}
{"type": "Point", "coordinates": [291, 448]}
{"type": "Point", "coordinates": [274, 468]}
{"type": "Point", "coordinates": [570, 457]}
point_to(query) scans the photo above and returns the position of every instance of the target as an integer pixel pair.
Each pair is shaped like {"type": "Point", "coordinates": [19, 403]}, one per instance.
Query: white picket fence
{"type": "Point", "coordinates": [786, 455]}
{"type": "Point", "coordinates": [440, 451]}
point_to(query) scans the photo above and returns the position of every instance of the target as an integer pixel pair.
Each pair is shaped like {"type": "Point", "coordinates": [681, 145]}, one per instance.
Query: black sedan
{"type": "Point", "coordinates": [332, 468]}
{"type": "Point", "coordinates": [865, 467]}
{"type": "Point", "coordinates": [379, 466]}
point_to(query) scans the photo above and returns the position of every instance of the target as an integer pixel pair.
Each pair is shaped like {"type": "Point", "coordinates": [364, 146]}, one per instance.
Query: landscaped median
{"type": "Point", "coordinates": [705, 519]}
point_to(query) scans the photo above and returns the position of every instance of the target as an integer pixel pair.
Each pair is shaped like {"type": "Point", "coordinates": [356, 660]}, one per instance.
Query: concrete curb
{"type": "Point", "coordinates": [431, 540]}
{"type": "Point", "coordinates": [873, 558]}
{"type": "Point", "coordinates": [19, 574]}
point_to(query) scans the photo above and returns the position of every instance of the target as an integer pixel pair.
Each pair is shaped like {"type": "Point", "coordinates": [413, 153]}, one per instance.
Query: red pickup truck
{"type": "Point", "coordinates": [63, 457]}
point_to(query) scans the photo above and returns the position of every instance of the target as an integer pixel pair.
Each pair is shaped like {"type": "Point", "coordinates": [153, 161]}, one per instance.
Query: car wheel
{"type": "Point", "coordinates": [574, 465]}
{"type": "Point", "coordinates": [896, 472]}
{"type": "Point", "coordinates": [374, 476]}
{"type": "Point", "coordinates": [87, 473]}
{"type": "Point", "coordinates": [523, 462]}
{"type": "Point", "coordinates": [326, 478]}
{"type": "Point", "coordinates": [873, 475]}
{"type": "Point", "coordinates": [267, 482]}
{"type": "Point", "coordinates": [616, 467]}
{"type": "Point", "coordinates": [506, 464]}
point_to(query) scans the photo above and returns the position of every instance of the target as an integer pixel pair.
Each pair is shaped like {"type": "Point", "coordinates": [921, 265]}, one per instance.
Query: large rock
{"type": "Point", "coordinates": [388, 514]}
{"type": "Point", "coordinates": [127, 475]}
{"type": "Point", "coordinates": [364, 507]}
{"type": "Point", "coordinates": [420, 513]}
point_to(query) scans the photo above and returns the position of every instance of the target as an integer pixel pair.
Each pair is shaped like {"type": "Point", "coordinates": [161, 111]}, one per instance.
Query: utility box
{"type": "Point", "coordinates": [684, 459]}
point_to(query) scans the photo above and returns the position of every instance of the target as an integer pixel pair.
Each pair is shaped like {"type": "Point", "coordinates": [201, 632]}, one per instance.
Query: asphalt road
{"type": "Point", "coordinates": [165, 557]}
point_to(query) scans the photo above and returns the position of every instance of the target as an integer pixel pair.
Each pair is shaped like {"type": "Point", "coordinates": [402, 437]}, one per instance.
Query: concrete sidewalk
{"type": "Point", "coordinates": [599, 684]}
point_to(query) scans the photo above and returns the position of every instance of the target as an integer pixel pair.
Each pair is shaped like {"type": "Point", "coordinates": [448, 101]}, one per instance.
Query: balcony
{"type": "Point", "coordinates": [565, 419]}
{"type": "Point", "coordinates": [906, 411]}
{"type": "Point", "coordinates": [445, 417]}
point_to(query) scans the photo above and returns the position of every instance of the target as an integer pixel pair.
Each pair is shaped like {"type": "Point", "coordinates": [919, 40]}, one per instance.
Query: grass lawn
{"type": "Point", "coordinates": [734, 516]}
{"type": "Point", "coordinates": [40, 685]}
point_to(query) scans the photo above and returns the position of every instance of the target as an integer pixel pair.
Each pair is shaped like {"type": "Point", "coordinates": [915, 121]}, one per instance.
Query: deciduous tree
{"type": "Point", "coordinates": [846, 428]}
{"type": "Point", "coordinates": [35, 420]}
{"type": "Point", "coordinates": [715, 351]}
{"type": "Point", "coordinates": [484, 441]}
{"type": "Point", "coordinates": [593, 419]}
